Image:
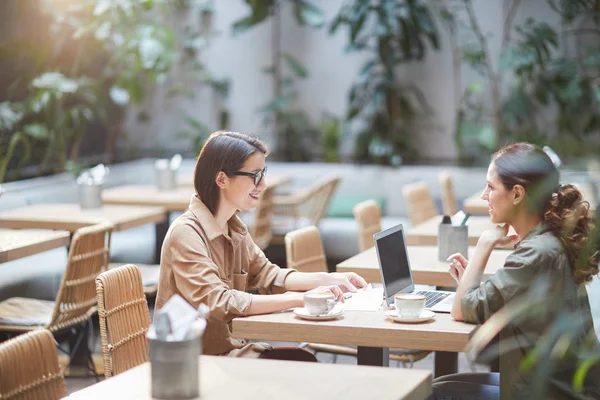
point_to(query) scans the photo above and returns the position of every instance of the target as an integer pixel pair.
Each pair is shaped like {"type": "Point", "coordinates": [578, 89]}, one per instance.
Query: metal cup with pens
{"type": "Point", "coordinates": [453, 236]}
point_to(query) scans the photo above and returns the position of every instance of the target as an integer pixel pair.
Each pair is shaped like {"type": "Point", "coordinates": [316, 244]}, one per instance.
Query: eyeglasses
{"type": "Point", "coordinates": [257, 176]}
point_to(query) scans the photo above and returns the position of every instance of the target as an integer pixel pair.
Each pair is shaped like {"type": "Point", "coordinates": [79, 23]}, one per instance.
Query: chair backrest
{"type": "Point", "coordinates": [124, 319]}
{"type": "Point", "coordinates": [89, 254]}
{"type": "Point", "coordinates": [29, 368]}
{"type": "Point", "coordinates": [419, 203]}
{"type": "Point", "coordinates": [368, 218]}
{"type": "Point", "coordinates": [448, 197]}
{"type": "Point", "coordinates": [304, 250]}
{"type": "Point", "coordinates": [318, 199]}
{"type": "Point", "coordinates": [261, 227]}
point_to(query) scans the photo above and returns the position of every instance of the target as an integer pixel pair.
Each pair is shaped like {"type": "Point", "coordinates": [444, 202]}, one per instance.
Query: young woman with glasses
{"type": "Point", "coordinates": [209, 257]}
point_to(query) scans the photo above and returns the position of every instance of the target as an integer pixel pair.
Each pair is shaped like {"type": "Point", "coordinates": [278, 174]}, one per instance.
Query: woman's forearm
{"type": "Point", "coordinates": [264, 304]}
{"type": "Point", "coordinates": [303, 281]}
{"type": "Point", "coordinates": [472, 276]}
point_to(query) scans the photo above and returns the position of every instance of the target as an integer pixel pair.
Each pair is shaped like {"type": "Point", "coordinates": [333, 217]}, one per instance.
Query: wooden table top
{"type": "Point", "coordinates": [272, 179]}
{"type": "Point", "coordinates": [358, 328]}
{"type": "Point", "coordinates": [424, 264]}
{"type": "Point", "coordinates": [71, 217]}
{"type": "Point", "coordinates": [476, 205]}
{"type": "Point", "coordinates": [18, 243]}
{"type": "Point", "coordinates": [242, 378]}
{"type": "Point", "coordinates": [426, 233]}
{"type": "Point", "coordinates": [177, 199]}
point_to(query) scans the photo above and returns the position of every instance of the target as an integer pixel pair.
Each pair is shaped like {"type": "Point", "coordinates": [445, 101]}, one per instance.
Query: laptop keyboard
{"type": "Point", "coordinates": [432, 298]}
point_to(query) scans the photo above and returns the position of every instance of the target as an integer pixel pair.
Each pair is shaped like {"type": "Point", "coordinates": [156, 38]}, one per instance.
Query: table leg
{"type": "Point", "coordinates": [446, 362]}
{"type": "Point", "coordinates": [160, 231]}
{"type": "Point", "coordinates": [378, 356]}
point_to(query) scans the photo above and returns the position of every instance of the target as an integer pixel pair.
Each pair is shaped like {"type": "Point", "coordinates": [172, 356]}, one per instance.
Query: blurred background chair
{"type": "Point", "coordinates": [419, 203]}
{"type": "Point", "coordinates": [449, 206]}
{"type": "Point", "coordinates": [368, 218]}
{"type": "Point", "coordinates": [124, 319]}
{"type": "Point", "coordinates": [304, 251]}
{"type": "Point", "coordinates": [260, 230]}
{"type": "Point", "coordinates": [29, 368]}
{"type": "Point", "coordinates": [69, 316]}
{"type": "Point", "coordinates": [302, 208]}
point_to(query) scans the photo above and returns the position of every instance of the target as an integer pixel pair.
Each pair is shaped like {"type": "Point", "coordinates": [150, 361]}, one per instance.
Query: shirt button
{"type": "Point", "coordinates": [228, 276]}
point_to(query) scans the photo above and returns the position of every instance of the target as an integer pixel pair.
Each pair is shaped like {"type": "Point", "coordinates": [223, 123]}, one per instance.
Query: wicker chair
{"type": "Point", "coordinates": [261, 227]}
{"type": "Point", "coordinates": [29, 368]}
{"type": "Point", "coordinates": [303, 208]}
{"type": "Point", "coordinates": [419, 203]}
{"type": "Point", "coordinates": [304, 251]}
{"type": "Point", "coordinates": [368, 218]}
{"type": "Point", "coordinates": [448, 197]}
{"type": "Point", "coordinates": [150, 276]}
{"type": "Point", "coordinates": [124, 319]}
{"type": "Point", "coordinates": [69, 315]}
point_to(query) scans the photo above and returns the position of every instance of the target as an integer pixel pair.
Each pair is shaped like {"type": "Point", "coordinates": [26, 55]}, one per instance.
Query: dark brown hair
{"type": "Point", "coordinates": [561, 207]}
{"type": "Point", "coordinates": [223, 151]}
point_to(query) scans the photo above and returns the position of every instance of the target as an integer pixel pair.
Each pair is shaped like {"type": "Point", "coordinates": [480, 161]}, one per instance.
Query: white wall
{"type": "Point", "coordinates": [331, 74]}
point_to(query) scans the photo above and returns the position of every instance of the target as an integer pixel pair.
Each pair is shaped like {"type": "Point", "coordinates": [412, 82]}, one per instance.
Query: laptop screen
{"type": "Point", "coordinates": [393, 262]}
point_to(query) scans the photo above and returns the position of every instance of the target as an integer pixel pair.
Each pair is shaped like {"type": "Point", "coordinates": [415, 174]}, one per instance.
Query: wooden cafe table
{"type": "Point", "coordinates": [70, 216]}
{"type": "Point", "coordinates": [370, 331]}
{"type": "Point", "coordinates": [18, 243]}
{"type": "Point", "coordinates": [426, 233]}
{"type": "Point", "coordinates": [476, 205]}
{"type": "Point", "coordinates": [424, 264]}
{"type": "Point", "coordinates": [242, 378]}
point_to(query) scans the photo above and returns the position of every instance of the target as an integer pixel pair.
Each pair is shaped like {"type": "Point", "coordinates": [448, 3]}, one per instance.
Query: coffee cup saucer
{"type": "Point", "coordinates": [426, 315]}
{"type": "Point", "coordinates": [303, 313]}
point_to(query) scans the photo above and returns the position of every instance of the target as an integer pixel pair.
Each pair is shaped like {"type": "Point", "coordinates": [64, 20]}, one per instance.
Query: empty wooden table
{"type": "Point", "coordinates": [426, 233]}
{"type": "Point", "coordinates": [240, 378]}
{"type": "Point", "coordinates": [424, 264]}
{"type": "Point", "coordinates": [370, 331]}
{"type": "Point", "coordinates": [70, 217]}
{"type": "Point", "coordinates": [18, 243]}
{"type": "Point", "coordinates": [177, 199]}
{"type": "Point", "coordinates": [476, 205]}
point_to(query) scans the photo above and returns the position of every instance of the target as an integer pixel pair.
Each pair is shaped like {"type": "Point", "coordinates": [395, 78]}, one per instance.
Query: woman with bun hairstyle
{"type": "Point", "coordinates": [209, 257]}
{"type": "Point", "coordinates": [552, 225]}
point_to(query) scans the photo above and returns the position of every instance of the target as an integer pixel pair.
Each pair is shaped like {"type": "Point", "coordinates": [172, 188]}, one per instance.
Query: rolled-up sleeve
{"type": "Point", "coordinates": [479, 303]}
{"type": "Point", "coordinates": [265, 276]}
{"type": "Point", "coordinates": [197, 277]}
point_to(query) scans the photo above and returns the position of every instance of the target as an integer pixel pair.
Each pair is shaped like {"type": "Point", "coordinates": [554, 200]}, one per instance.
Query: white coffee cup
{"type": "Point", "coordinates": [319, 303]}
{"type": "Point", "coordinates": [409, 305]}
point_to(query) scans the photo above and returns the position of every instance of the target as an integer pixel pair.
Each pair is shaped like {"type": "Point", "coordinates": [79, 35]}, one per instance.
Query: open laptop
{"type": "Point", "coordinates": [396, 275]}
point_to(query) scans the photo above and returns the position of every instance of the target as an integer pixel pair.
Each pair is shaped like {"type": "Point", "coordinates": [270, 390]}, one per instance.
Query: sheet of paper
{"type": "Point", "coordinates": [367, 299]}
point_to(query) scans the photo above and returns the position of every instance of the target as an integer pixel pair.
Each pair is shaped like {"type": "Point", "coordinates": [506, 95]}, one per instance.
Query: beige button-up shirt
{"type": "Point", "coordinates": [203, 265]}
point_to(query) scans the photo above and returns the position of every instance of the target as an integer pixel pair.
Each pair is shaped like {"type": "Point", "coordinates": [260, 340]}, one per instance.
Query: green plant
{"type": "Point", "coordinates": [392, 32]}
{"type": "Point", "coordinates": [546, 80]}
{"type": "Point", "coordinates": [10, 117]}
{"type": "Point", "coordinates": [331, 130]}
{"type": "Point", "coordinates": [294, 130]}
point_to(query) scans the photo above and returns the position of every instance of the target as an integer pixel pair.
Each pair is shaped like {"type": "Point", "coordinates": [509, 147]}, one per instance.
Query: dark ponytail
{"type": "Point", "coordinates": [568, 216]}
{"type": "Point", "coordinates": [561, 207]}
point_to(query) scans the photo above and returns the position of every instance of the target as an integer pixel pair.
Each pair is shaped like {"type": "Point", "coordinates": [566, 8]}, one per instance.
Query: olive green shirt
{"type": "Point", "coordinates": [540, 253]}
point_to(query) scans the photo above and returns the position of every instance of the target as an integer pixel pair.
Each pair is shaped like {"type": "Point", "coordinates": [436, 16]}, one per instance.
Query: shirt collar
{"type": "Point", "coordinates": [236, 227]}
{"type": "Point", "coordinates": [540, 228]}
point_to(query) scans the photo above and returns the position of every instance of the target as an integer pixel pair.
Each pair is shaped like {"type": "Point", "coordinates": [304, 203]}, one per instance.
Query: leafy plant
{"type": "Point", "coordinates": [545, 81]}
{"type": "Point", "coordinates": [392, 32]}
{"type": "Point", "coordinates": [294, 130]}
{"type": "Point", "coordinates": [10, 118]}
{"type": "Point", "coordinates": [332, 133]}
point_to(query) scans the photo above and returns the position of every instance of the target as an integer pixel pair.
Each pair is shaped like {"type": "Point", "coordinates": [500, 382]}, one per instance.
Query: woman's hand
{"type": "Point", "coordinates": [498, 236]}
{"type": "Point", "coordinates": [333, 289]}
{"type": "Point", "coordinates": [458, 264]}
{"type": "Point", "coordinates": [347, 281]}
